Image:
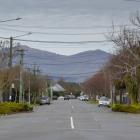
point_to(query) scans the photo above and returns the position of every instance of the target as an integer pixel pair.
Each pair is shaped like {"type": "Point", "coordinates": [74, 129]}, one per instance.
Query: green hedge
{"type": "Point", "coordinates": [10, 108]}
{"type": "Point", "coordinates": [126, 108]}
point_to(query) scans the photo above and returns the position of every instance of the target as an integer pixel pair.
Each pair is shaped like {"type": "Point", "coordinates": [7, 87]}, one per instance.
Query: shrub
{"type": "Point", "coordinates": [126, 108]}
{"type": "Point", "coordinates": [9, 108]}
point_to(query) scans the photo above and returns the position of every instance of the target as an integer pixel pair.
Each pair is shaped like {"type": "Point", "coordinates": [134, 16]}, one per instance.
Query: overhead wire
{"type": "Point", "coordinates": [73, 74]}
{"type": "Point", "coordinates": [64, 63]}
{"type": "Point", "coordinates": [52, 33]}
{"type": "Point", "coordinates": [60, 42]}
{"type": "Point", "coordinates": [64, 27]}
{"type": "Point", "coordinates": [64, 42]}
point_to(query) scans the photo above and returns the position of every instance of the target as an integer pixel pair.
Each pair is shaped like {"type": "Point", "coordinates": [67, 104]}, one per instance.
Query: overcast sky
{"type": "Point", "coordinates": [65, 21]}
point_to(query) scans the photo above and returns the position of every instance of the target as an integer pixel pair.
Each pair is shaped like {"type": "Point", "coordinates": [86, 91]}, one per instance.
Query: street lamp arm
{"type": "Point", "coordinates": [18, 18]}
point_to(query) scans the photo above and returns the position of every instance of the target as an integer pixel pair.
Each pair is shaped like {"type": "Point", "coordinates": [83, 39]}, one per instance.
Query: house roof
{"type": "Point", "coordinates": [57, 88]}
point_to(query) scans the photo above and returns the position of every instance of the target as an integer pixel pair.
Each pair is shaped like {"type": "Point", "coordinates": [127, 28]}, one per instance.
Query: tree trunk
{"type": "Point", "coordinates": [1, 96]}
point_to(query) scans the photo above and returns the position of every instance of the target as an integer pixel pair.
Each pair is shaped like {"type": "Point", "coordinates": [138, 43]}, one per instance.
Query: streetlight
{"type": "Point", "coordinates": [18, 18]}
{"type": "Point", "coordinates": [11, 47]}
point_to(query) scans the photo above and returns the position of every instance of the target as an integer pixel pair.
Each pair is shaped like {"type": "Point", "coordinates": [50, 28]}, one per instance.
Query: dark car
{"type": "Point", "coordinates": [54, 97]}
{"type": "Point", "coordinates": [72, 96]}
{"type": "Point", "coordinates": [45, 100]}
{"type": "Point", "coordinates": [66, 97]}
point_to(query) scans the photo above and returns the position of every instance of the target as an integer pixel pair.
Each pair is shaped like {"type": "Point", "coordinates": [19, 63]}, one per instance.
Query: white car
{"type": "Point", "coordinates": [81, 98]}
{"type": "Point", "coordinates": [61, 97]}
{"type": "Point", "coordinates": [45, 100]}
{"type": "Point", "coordinates": [84, 98]}
{"type": "Point", "coordinates": [104, 101]}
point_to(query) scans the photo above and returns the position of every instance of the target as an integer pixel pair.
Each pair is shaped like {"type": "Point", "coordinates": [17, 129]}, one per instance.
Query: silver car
{"type": "Point", "coordinates": [45, 100]}
{"type": "Point", "coordinates": [104, 101]}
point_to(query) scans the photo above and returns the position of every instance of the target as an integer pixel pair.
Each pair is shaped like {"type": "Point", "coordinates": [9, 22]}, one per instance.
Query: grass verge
{"type": "Point", "coordinates": [93, 101]}
{"type": "Point", "coordinates": [11, 108]}
{"type": "Point", "coordinates": [126, 108]}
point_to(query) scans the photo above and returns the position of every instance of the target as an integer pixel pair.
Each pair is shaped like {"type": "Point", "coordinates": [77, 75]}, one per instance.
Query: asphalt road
{"type": "Point", "coordinates": [70, 120]}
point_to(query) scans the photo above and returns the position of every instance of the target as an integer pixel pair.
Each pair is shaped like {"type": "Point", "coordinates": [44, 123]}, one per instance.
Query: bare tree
{"type": "Point", "coordinates": [125, 64]}
{"type": "Point", "coordinates": [4, 53]}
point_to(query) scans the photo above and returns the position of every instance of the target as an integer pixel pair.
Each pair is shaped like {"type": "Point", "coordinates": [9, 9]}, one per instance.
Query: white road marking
{"type": "Point", "coordinates": [71, 122]}
{"type": "Point", "coordinates": [72, 107]}
{"type": "Point", "coordinates": [95, 119]}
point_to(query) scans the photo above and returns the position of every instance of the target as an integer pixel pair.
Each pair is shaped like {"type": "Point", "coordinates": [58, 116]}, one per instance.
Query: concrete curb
{"type": "Point", "coordinates": [3, 115]}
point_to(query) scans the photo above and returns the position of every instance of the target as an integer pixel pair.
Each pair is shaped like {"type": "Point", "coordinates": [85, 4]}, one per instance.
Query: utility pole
{"type": "Point", "coordinates": [29, 86]}
{"type": "Point", "coordinates": [38, 70]}
{"type": "Point", "coordinates": [34, 70]}
{"type": "Point", "coordinates": [21, 93]}
{"type": "Point", "coordinates": [10, 52]}
{"type": "Point", "coordinates": [38, 74]}
{"type": "Point", "coordinates": [11, 46]}
{"type": "Point", "coordinates": [29, 92]}
{"type": "Point", "coordinates": [51, 90]}
{"type": "Point", "coordinates": [35, 78]}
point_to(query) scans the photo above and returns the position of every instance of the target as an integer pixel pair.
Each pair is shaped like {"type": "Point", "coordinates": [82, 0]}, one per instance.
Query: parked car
{"type": "Point", "coordinates": [84, 98]}
{"type": "Point", "coordinates": [55, 98]}
{"type": "Point", "coordinates": [81, 98]}
{"type": "Point", "coordinates": [66, 97]}
{"type": "Point", "coordinates": [61, 97]}
{"type": "Point", "coordinates": [45, 100]}
{"type": "Point", "coordinates": [72, 96]}
{"type": "Point", "coordinates": [104, 101]}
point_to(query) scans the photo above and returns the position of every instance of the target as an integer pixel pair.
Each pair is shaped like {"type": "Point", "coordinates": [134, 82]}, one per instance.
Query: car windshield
{"type": "Point", "coordinates": [44, 98]}
{"type": "Point", "coordinates": [104, 99]}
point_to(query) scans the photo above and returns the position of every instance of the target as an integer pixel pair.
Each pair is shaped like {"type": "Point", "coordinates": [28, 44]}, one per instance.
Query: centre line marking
{"type": "Point", "coordinates": [71, 122]}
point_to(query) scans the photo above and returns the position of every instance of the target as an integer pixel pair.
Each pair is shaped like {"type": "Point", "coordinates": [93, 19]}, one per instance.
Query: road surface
{"type": "Point", "coordinates": [70, 120]}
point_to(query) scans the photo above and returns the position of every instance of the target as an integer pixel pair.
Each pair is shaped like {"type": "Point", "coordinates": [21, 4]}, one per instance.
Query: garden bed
{"type": "Point", "coordinates": [11, 108]}
{"type": "Point", "coordinates": [126, 108]}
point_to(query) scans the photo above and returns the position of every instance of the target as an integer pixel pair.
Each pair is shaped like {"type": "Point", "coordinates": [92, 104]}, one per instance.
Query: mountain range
{"type": "Point", "coordinates": [74, 68]}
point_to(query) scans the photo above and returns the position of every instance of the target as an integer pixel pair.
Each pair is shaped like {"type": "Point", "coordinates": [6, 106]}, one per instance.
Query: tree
{"type": "Point", "coordinates": [98, 84]}
{"type": "Point", "coordinates": [132, 88]}
{"type": "Point", "coordinates": [70, 87]}
{"type": "Point", "coordinates": [7, 77]}
{"type": "Point", "coordinates": [4, 54]}
{"type": "Point", "coordinates": [125, 64]}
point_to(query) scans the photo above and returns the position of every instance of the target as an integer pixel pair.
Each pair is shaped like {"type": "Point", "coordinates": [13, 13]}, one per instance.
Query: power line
{"type": "Point", "coordinates": [64, 27]}
{"type": "Point", "coordinates": [56, 64]}
{"type": "Point", "coordinates": [132, 1]}
{"type": "Point", "coordinates": [74, 74]}
{"type": "Point", "coordinates": [64, 63]}
{"type": "Point", "coordinates": [60, 42]}
{"type": "Point", "coordinates": [69, 74]}
{"type": "Point", "coordinates": [66, 34]}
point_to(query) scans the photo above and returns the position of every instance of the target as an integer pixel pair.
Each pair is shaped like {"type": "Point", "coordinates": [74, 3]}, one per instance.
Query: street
{"type": "Point", "coordinates": [70, 120]}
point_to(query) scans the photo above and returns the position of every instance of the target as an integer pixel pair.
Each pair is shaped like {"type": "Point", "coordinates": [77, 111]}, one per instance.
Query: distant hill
{"type": "Point", "coordinates": [74, 68]}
